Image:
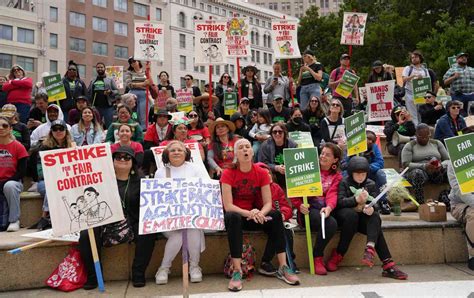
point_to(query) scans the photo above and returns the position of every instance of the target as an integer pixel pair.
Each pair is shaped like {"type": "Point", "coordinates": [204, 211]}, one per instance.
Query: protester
{"type": "Point", "coordinates": [278, 112]}
{"type": "Point", "coordinates": [225, 85]}
{"type": "Point", "coordinates": [125, 134]}
{"type": "Point", "coordinates": [451, 124]}
{"type": "Point", "coordinates": [102, 92]}
{"type": "Point", "coordinates": [165, 84]}
{"type": "Point", "coordinates": [74, 87]}
{"type": "Point", "coordinates": [310, 76]}
{"type": "Point", "coordinates": [250, 87]}
{"type": "Point", "coordinates": [332, 126]}
{"type": "Point", "coordinates": [18, 88]}
{"type": "Point", "coordinates": [88, 131]}
{"type": "Point", "coordinates": [260, 131]}
{"type": "Point", "coordinates": [39, 87]}
{"type": "Point", "coordinates": [240, 125]}
{"type": "Point", "coordinates": [137, 83]}
{"type": "Point", "coordinates": [75, 114]}
{"type": "Point", "coordinates": [312, 115]}
{"type": "Point", "coordinates": [53, 112]}
{"type": "Point", "coordinates": [197, 130]}
{"type": "Point", "coordinates": [188, 79]}
{"type": "Point", "coordinates": [461, 79]}
{"type": "Point", "coordinates": [378, 73]}
{"type": "Point", "coordinates": [426, 159]}
{"type": "Point", "coordinates": [336, 78]}
{"type": "Point", "coordinates": [296, 122]}
{"type": "Point", "coordinates": [12, 170]}
{"type": "Point", "coordinates": [3, 93]}
{"type": "Point", "coordinates": [159, 131]}
{"type": "Point", "coordinates": [38, 113]}
{"type": "Point", "coordinates": [203, 108]}
{"type": "Point", "coordinates": [400, 124]}
{"type": "Point", "coordinates": [432, 110]}
{"type": "Point", "coordinates": [124, 117]}
{"type": "Point", "coordinates": [220, 154]}
{"type": "Point", "coordinates": [329, 160]}
{"type": "Point", "coordinates": [244, 109]}
{"type": "Point", "coordinates": [242, 187]}
{"type": "Point", "coordinates": [19, 130]}
{"type": "Point", "coordinates": [179, 132]}
{"type": "Point", "coordinates": [277, 85]}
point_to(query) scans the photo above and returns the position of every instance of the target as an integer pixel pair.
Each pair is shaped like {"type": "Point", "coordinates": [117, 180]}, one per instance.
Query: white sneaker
{"type": "Point", "coordinates": [14, 226]}
{"type": "Point", "coordinates": [161, 276]}
{"type": "Point", "coordinates": [195, 273]}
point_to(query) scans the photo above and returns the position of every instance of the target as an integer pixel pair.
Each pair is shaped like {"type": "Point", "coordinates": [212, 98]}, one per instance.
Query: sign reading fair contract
{"type": "Point", "coordinates": [302, 139]}
{"type": "Point", "coordinates": [461, 154]}
{"type": "Point", "coordinates": [285, 39]}
{"type": "Point", "coordinates": [180, 203]}
{"type": "Point", "coordinates": [353, 28]}
{"type": "Point", "coordinates": [302, 175]}
{"type": "Point", "coordinates": [211, 42]}
{"type": "Point", "coordinates": [116, 73]}
{"type": "Point", "coordinates": [420, 86]}
{"type": "Point", "coordinates": [237, 43]}
{"type": "Point", "coordinates": [81, 187]}
{"type": "Point", "coordinates": [345, 88]}
{"type": "Point", "coordinates": [195, 157]}
{"type": "Point", "coordinates": [380, 100]}
{"type": "Point", "coordinates": [355, 133]}
{"type": "Point", "coordinates": [149, 41]}
{"type": "Point", "coordinates": [54, 87]}
{"type": "Point", "coordinates": [185, 100]}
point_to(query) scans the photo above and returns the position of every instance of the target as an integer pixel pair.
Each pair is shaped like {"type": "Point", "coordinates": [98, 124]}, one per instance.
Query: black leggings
{"type": "Point", "coordinates": [352, 222]}
{"type": "Point", "coordinates": [235, 224]}
{"type": "Point", "coordinates": [315, 222]}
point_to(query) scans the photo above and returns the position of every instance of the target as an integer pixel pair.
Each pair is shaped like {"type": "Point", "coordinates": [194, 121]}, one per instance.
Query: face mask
{"type": "Point", "coordinates": [298, 120]}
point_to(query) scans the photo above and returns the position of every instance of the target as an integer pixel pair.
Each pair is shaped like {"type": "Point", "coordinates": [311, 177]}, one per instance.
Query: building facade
{"type": "Point", "coordinates": [298, 8]}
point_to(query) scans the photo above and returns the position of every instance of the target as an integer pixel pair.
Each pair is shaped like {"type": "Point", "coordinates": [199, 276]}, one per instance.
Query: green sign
{"type": "Point", "coordinates": [302, 174]}
{"type": "Point", "coordinates": [461, 154]}
{"type": "Point", "coordinates": [302, 138]}
{"type": "Point", "coordinates": [355, 133]}
{"type": "Point", "coordinates": [230, 103]}
{"type": "Point", "coordinates": [393, 175]}
{"type": "Point", "coordinates": [443, 99]}
{"type": "Point", "coordinates": [420, 86]}
{"type": "Point", "coordinates": [451, 60]}
{"type": "Point", "coordinates": [54, 87]}
{"type": "Point", "coordinates": [347, 85]}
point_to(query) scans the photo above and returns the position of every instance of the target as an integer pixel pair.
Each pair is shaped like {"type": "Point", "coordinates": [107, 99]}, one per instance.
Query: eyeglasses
{"type": "Point", "coordinates": [122, 157]}
{"type": "Point", "coordinates": [226, 77]}
{"type": "Point", "coordinates": [17, 69]}
{"type": "Point", "coordinates": [335, 105]}
{"type": "Point", "coordinates": [192, 115]}
{"type": "Point", "coordinates": [58, 128]}
{"type": "Point", "coordinates": [277, 132]}
{"type": "Point", "coordinates": [5, 125]}
{"type": "Point", "coordinates": [455, 108]}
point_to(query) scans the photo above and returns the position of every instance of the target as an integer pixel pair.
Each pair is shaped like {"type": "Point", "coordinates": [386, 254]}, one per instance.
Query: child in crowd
{"type": "Point", "coordinates": [260, 131]}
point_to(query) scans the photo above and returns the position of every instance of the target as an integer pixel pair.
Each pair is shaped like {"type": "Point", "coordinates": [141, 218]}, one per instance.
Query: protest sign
{"type": "Point", "coordinates": [362, 94]}
{"type": "Point", "coordinates": [420, 86]}
{"type": "Point", "coordinates": [211, 38]}
{"type": "Point", "coordinates": [237, 42]}
{"type": "Point", "coordinates": [392, 175]}
{"type": "Point", "coordinates": [302, 175]}
{"type": "Point", "coordinates": [451, 60]}
{"type": "Point", "coordinates": [355, 133]}
{"type": "Point", "coordinates": [54, 87]}
{"type": "Point", "coordinates": [149, 40]}
{"type": "Point", "coordinates": [160, 100]}
{"type": "Point", "coordinates": [443, 99]}
{"type": "Point", "coordinates": [285, 39]}
{"type": "Point", "coordinates": [302, 138]}
{"type": "Point", "coordinates": [380, 100]}
{"type": "Point", "coordinates": [377, 129]}
{"type": "Point", "coordinates": [399, 75]}
{"type": "Point", "coordinates": [350, 81]}
{"type": "Point", "coordinates": [81, 187]}
{"type": "Point", "coordinates": [185, 100]}
{"type": "Point", "coordinates": [48, 235]}
{"type": "Point", "coordinates": [169, 204]}
{"type": "Point", "coordinates": [230, 103]}
{"type": "Point", "coordinates": [116, 73]}
{"type": "Point", "coordinates": [461, 155]}
{"type": "Point", "coordinates": [353, 28]}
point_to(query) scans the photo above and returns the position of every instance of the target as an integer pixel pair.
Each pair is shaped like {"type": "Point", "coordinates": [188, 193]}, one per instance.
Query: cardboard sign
{"type": "Point", "coordinates": [285, 39]}
{"type": "Point", "coordinates": [355, 134]}
{"type": "Point", "coordinates": [237, 43]}
{"type": "Point", "coordinates": [350, 81]}
{"type": "Point", "coordinates": [48, 235]}
{"type": "Point", "coordinates": [116, 73]}
{"type": "Point", "coordinates": [211, 38]}
{"type": "Point", "coordinates": [420, 86]}
{"type": "Point", "coordinates": [149, 40]}
{"type": "Point", "coordinates": [377, 129]}
{"type": "Point", "coordinates": [302, 138]}
{"type": "Point", "coordinates": [169, 204]}
{"type": "Point", "coordinates": [195, 157]}
{"type": "Point", "coordinates": [461, 155]}
{"type": "Point", "coordinates": [160, 100]}
{"type": "Point", "coordinates": [185, 100]}
{"type": "Point", "coordinates": [399, 75]}
{"type": "Point", "coordinates": [230, 103]}
{"type": "Point", "coordinates": [392, 175]}
{"type": "Point", "coordinates": [54, 87]}
{"type": "Point", "coordinates": [380, 100]}
{"type": "Point", "coordinates": [444, 100]}
{"type": "Point", "coordinates": [81, 187]}
{"type": "Point", "coordinates": [353, 28]}
{"type": "Point", "coordinates": [302, 174]}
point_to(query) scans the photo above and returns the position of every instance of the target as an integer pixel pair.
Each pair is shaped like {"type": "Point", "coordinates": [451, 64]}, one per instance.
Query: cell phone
{"type": "Point", "coordinates": [275, 79]}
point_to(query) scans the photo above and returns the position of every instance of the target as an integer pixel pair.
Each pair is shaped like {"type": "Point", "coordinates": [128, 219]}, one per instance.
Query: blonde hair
{"type": "Point", "coordinates": [50, 141]}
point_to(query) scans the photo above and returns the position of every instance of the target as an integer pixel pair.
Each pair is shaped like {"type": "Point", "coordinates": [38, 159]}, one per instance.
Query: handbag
{"type": "Point", "coordinates": [70, 274]}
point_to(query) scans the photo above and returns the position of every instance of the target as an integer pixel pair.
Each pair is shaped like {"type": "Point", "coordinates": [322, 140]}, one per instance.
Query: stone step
{"type": "Point", "coordinates": [411, 241]}
{"type": "Point", "coordinates": [31, 206]}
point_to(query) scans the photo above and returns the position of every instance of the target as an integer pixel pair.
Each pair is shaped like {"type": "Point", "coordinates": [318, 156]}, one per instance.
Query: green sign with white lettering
{"type": "Point", "coordinates": [302, 174]}
{"type": "Point", "coordinates": [54, 87]}
{"type": "Point", "coordinates": [461, 154]}
{"type": "Point", "coordinates": [355, 133]}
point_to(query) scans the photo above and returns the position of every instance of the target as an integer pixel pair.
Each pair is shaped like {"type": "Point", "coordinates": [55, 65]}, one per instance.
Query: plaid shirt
{"type": "Point", "coordinates": [463, 84]}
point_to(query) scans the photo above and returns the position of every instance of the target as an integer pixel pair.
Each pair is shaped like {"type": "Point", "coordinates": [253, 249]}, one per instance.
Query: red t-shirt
{"type": "Point", "coordinates": [226, 155]}
{"type": "Point", "coordinates": [137, 147]}
{"type": "Point", "coordinates": [9, 156]}
{"type": "Point", "coordinates": [246, 187]}
{"type": "Point", "coordinates": [204, 132]}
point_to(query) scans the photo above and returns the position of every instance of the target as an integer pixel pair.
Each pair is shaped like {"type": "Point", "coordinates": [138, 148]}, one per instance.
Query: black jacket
{"type": "Point", "coordinates": [407, 129]}
{"type": "Point", "coordinates": [69, 102]}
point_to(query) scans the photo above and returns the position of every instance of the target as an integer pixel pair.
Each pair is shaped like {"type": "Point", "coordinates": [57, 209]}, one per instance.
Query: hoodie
{"type": "Point", "coordinates": [19, 90]}
{"type": "Point", "coordinates": [41, 132]}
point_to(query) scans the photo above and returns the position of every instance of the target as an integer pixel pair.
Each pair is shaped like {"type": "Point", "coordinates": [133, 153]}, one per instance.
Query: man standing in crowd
{"type": "Point", "coordinates": [336, 77]}
{"type": "Point", "coordinates": [102, 92]}
{"type": "Point", "coordinates": [277, 84]}
{"type": "Point", "coordinates": [461, 78]}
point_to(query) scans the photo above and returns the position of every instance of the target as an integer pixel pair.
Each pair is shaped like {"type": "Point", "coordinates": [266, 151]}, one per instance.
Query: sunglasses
{"type": "Point", "coordinates": [335, 105]}
{"type": "Point", "coordinates": [17, 69]}
{"type": "Point", "coordinates": [455, 108]}
{"type": "Point", "coordinates": [226, 77]}
{"type": "Point", "coordinates": [5, 125]}
{"type": "Point", "coordinates": [122, 157]}
{"type": "Point", "coordinates": [428, 97]}
{"type": "Point", "coordinates": [277, 132]}
{"type": "Point", "coordinates": [187, 79]}
{"type": "Point", "coordinates": [58, 128]}
{"type": "Point", "coordinates": [192, 115]}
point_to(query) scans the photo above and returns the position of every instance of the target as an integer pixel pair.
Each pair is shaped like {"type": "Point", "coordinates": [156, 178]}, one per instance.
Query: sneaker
{"type": "Point", "coordinates": [319, 267]}
{"type": "Point", "coordinates": [334, 261]}
{"type": "Point", "coordinates": [161, 276]}
{"type": "Point", "coordinates": [369, 255]}
{"type": "Point", "coordinates": [195, 273]}
{"type": "Point", "coordinates": [267, 268]}
{"type": "Point", "coordinates": [14, 226]}
{"type": "Point", "coordinates": [138, 280]}
{"type": "Point", "coordinates": [295, 268]}
{"type": "Point", "coordinates": [287, 275]}
{"type": "Point", "coordinates": [235, 283]}
{"type": "Point", "coordinates": [390, 270]}
{"type": "Point", "coordinates": [384, 208]}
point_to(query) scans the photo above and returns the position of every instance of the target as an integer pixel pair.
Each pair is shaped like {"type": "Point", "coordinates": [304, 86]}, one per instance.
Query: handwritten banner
{"type": "Point", "coordinates": [149, 40]}
{"type": "Point", "coordinates": [54, 87]}
{"type": "Point", "coordinates": [211, 41]}
{"type": "Point", "coordinates": [302, 174]}
{"type": "Point", "coordinates": [285, 39]}
{"type": "Point", "coordinates": [237, 43]}
{"type": "Point", "coordinates": [355, 133]}
{"type": "Point", "coordinates": [185, 100]}
{"type": "Point", "coordinates": [116, 73]}
{"type": "Point", "coordinates": [380, 100]}
{"type": "Point", "coordinates": [353, 28]}
{"type": "Point", "coordinates": [461, 155]}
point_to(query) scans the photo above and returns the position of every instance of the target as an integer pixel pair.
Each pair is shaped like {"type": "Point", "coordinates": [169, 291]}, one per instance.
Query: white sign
{"type": "Point", "coordinates": [238, 43]}
{"type": "Point", "coordinates": [353, 28]}
{"type": "Point", "coordinates": [116, 73]}
{"type": "Point", "coordinates": [48, 235]}
{"type": "Point", "coordinates": [285, 39]}
{"type": "Point", "coordinates": [149, 41]}
{"type": "Point", "coordinates": [210, 47]}
{"type": "Point", "coordinates": [81, 187]}
{"type": "Point", "coordinates": [380, 100]}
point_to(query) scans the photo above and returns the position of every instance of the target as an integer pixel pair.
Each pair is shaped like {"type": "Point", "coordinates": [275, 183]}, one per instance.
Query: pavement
{"type": "Point", "coordinates": [443, 280]}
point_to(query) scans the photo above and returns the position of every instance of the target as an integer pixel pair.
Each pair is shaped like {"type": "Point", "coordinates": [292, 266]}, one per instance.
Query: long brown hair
{"type": "Point", "coordinates": [95, 124]}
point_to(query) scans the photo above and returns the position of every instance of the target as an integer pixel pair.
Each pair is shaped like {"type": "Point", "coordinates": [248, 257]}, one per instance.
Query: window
{"type": "Point", "coordinates": [53, 66]}
{"type": "Point", "coordinates": [99, 48]}
{"type": "Point", "coordinates": [182, 62]}
{"type": "Point", "coordinates": [251, 20]}
{"type": "Point", "coordinates": [99, 24]}
{"type": "Point", "coordinates": [81, 69]}
{"type": "Point", "coordinates": [257, 54]}
{"type": "Point", "coordinates": [209, 8]}
{"type": "Point", "coordinates": [101, 3]}
{"type": "Point", "coordinates": [257, 40]}
{"type": "Point", "coordinates": [158, 14]}
{"type": "Point", "coordinates": [182, 41]}
{"type": "Point", "coordinates": [5, 61]}
{"type": "Point", "coordinates": [77, 44]}
{"type": "Point", "coordinates": [26, 35]}
{"type": "Point", "coordinates": [232, 71]}
{"type": "Point", "coordinates": [218, 69]}
{"type": "Point", "coordinates": [285, 6]}
{"type": "Point", "coordinates": [216, 10]}
{"type": "Point", "coordinates": [202, 69]}
{"type": "Point", "coordinates": [140, 10]}
{"type": "Point", "coordinates": [257, 21]}
{"type": "Point", "coordinates": [265, 75]}
{"type": "Point", "coordinates": [201, 6]}
{"type": "Point", "coordinates": [270, 59]}
{"type": "Point", "coordinates": [186, 2]}
{"type": "Point", "coordinates": [252, 37]}
{"type": "Point", "coordinates": [121, 52]}
{"type": "Point", "coordinates": [53, 40]}
{"type": "Point", "coordinates": [77, 19]}
{"type": "Point", "coordinates": [253, 55]}
{"type": "Point", "coordinates": [265, 58]}
{"type": "Point", "coordinates": [194, 3]}
{"type": "Point", "coordinates": [273, 5]}
{"type": "Point", "coordinates": [120, 5]}
{"type": "Point", "coordinates": [121, 28]}
{"type": "Point", "coordinates": [53, 14]}
{"type": "Point", "coordinates": [27, 63]}
{"type": "Point", "coordinates": [324, 3]}
{"type": "Point", "coordinates": [224, 12]}
{"type": "Point", "coordinates": [6, 32]}
{"type": "Point", "coordinates": [182, 20]}
{"type": "Point", "coordinates": [196, 68]}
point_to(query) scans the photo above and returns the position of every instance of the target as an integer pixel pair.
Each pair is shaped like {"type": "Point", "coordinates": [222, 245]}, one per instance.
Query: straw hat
{"type": "Point", "coordinates": [205, 96]}
{"type": "Point", "coordinates": [8, 111]}
{"type": "Point", "coordinates": [218, 121]}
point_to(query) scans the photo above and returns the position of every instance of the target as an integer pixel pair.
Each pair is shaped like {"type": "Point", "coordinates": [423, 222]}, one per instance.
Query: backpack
{"type": "Point", "coordinates": [247, 263]}
{"type": "Point", "coordinates": [429, 72]}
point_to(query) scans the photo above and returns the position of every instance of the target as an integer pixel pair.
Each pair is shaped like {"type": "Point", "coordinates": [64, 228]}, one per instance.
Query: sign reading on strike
{"type": "Point", "coordinates": [211, 39]}
{"type": "Point", "coordinates": [149, 41]}
{"type": "Point", "coordinates": [116, 73]}
{"type": "Point", "coordinates": [345, 88]}
{"type": "Point", "coordinates": [302, 139]}
{"type": "Point", "coordinates": [420, 86]}
{"type": "Point", "coordinates": [237, 43]}
{"type": "Point", "coordinates": [461, 154]}
{"type": "Point", "coordinates": [355, 133]}
{"type": "Point", "coordinates": [230, 103]}
{"type": "Point", "coordinates": [353, 28]}
{"type": "Point", "coordinates": [380, 100]}
{"type": "Point", "coordinates": [54, 87]}
{"type": "Point", "coordinates": [302, 174]}
{"type": "Point", "coordinates": [285, 39]}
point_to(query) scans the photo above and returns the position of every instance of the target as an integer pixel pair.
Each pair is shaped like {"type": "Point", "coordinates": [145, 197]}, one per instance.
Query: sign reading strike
{"type": "Point", "coordinates": [180, 203]}
{"type": "Point", "coordinates": [345, 87]}
{"type": "Point", "coordinates": [211, 42]}
{"type": "Point", "coordinates": [380, 100]}
{"type": "Point", "coordinates": [302, 139]}
{"type": "Point", "coordinates": [185, 100]}
{"type": "Point", "coordinates": [149, 41]}
{"type": "Point", "coordinates": [461, 154]}
{"type": "Point", "coordinates": [237, 43]}
{"type": "Point", "coordinates": [81, 187]}
{"type": "Point", "coordinates": [54, 87]}
{"type": "Point", "coordinates": [285, 39]}
{"type": "Point", "coordinates": [116, 73]}
{"type": "Point", "coordinates": [302, 174]}
{"type": "Point", "coordinates": [353, 28]}
{"type": "Point", "coordinates": [355, 133]}
{"type": "Point", "coordinates": [420, 86]}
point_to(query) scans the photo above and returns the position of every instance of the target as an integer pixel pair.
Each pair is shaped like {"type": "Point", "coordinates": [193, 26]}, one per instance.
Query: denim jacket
{"type": "Point", "coordinates": [93, 137]}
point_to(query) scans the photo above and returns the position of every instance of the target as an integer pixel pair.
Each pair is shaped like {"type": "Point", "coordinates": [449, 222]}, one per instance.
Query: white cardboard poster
{"type": "Point", "coordinates": [353, 28]}
{"type": "Point", "coordinates": [238, 43]}
{"type": "Point", "coordinates": [380, 100]}
{"type": "Point", "coordinates": [285, 39]}
{"type": "Point", "coordinates": [149, 40]}
{"type": "Point", "coordinates": [210, 46]}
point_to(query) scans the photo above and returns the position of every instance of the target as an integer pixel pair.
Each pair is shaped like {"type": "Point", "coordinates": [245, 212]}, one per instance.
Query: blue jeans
{"type": "Point", "coordinates": [141, 106]}
{"type": "Point", "coordinates": [307, 91]}
{"type": "Point", "coordinates": [465, 99]}
{"type": "Point", "coordinates": [11, 191]}
{"type": "Point", "coordinates": [23, 110]}
{"type": "Point", "coordinates": [106, 114]}
{"type": "Point", "coordinates": [42, 190]}
{"type": "Point", "coordinates": [380, 180]}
